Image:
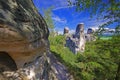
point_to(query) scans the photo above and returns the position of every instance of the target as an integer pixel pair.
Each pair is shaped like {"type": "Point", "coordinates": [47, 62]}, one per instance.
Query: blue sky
{"type": "Point", "coordinates": [65, 16]}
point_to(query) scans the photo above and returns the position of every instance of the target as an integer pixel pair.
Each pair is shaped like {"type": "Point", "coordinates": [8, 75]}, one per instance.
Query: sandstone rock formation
{"type": "Point", "coordinates": [80, 35]}
{"type": "Point", "coordinates": [24, 45]}
{"type": "Point", "coordinates": [21, 33]}
{"type": "Point", "coordinates": [66, 30]}
{"type": "Point", "coordinates": [76, 42]}
{"type": "Point", "coordinates": [89, 36]}
{"type": "Point", "coordinates": [89, 31]}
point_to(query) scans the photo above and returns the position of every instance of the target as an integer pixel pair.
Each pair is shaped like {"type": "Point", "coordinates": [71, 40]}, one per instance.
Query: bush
{"type": "Point", "coordinates": [100, 60]}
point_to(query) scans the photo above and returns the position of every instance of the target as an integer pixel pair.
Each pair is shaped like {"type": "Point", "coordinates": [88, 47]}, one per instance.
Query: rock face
{"type": "Point", "coordinates": [24, 45]}
{"type": "Point", "coordinates": [22, 35]}
{"type": "Point", "coordinates": [76, 42]}
{"type": "Point", "coordinates": [66, 30]}
{"type": "Point", "coordinates": [89, 36]}
{"type": "Point", "coordinates": [89, 31]}
{"type": "Point", "coordinates": [80, 35]}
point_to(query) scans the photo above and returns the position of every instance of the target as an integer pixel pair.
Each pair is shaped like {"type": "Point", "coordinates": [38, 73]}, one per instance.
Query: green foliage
{"type": "Point", "coordinates": [57, 46]}
{"type": "Point", "coordinates": [100, 61]}
{"type": "Point", "coordinates": [98, 6]}
{"type": "Point", "coordinates": [48, 18]}
{"type": "Point", "coordinates": [117, 29]}
{"type": "Point", "coordinates": [101, 57]}
{"type": "Point", "coordinates": [106, 9]}
{"type": "Point", "coordinates": [57, 40]}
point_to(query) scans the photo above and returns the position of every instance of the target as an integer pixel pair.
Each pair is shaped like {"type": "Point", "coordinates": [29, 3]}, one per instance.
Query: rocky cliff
{"type": "Point", "coordinates": [24, 45]}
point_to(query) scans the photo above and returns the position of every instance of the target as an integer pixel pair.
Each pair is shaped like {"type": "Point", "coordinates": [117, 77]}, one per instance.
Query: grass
{"type": "Point", "coordinates": [105, 38]}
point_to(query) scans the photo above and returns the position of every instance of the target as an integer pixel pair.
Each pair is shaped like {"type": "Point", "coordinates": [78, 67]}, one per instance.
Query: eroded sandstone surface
{"type": "Point", "coordinates": [24, 45]}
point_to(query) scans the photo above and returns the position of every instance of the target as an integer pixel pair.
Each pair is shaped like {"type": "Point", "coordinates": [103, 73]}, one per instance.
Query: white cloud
{"type": "Point", "coordinates": [72, 31]}
{"type": "Point", "coordinates": [106, 29]}
{"type": "Point", "coordinates": [60, 32]}
{"type": "Point", "coordinates": [62, 7]}
{"type": "Point", "coordinates": [61, 4]}
{"type": "Point", "coordinates": [58, 19]}
{"type": "Point", "coordinates": [57, 4]}
{"type": "Point", "coordinates": [94, 28]}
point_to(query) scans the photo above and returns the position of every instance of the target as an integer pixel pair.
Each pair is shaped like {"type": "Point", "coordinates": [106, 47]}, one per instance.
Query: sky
{"type": "Point", "coordinates": [65, 16]}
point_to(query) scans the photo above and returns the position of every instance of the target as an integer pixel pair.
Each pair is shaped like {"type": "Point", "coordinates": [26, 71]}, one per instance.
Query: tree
{"type": "Point", "coordinates": [100, 61]}
{"type": "Point", "coordinates": [111, 8]}
{"type": "Point", "coordinates": [101, 57]}
{"type": "Point", "coordinates": [48, 18]}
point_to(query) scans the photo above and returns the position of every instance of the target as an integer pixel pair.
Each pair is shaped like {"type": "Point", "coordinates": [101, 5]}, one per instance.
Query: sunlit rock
{"type": "Point", "coordinates": [90, 35]}
{"type": "Point", "coordinates": [24, 45]}
{"type": "Point", "coordinates": [66, 31]}
{"type": "Point", "coordinates": [80, 35]}
{"type": "Point", "coordinates": [76, 42]}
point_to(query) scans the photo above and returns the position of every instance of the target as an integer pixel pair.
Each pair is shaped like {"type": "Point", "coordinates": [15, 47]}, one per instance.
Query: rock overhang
{"type": "Point", "coordinates": [23, 32]}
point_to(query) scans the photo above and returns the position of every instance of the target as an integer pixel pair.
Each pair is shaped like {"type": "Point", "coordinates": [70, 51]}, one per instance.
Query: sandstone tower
{"type": "Point", "coordinates": [90, 35]}
{"type": "Point", "coordinates": [66, 30]}
{"type": "Point", "coordinates": [76, 42]}
{"type": "Point", "coordinates": [81, 37]}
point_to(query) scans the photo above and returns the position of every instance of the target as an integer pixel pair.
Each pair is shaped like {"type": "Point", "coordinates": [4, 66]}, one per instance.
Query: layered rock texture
{"type": "Point", "coordinates": [76, 42]}
{"type": "Point", "coordinates": [24, 46]}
